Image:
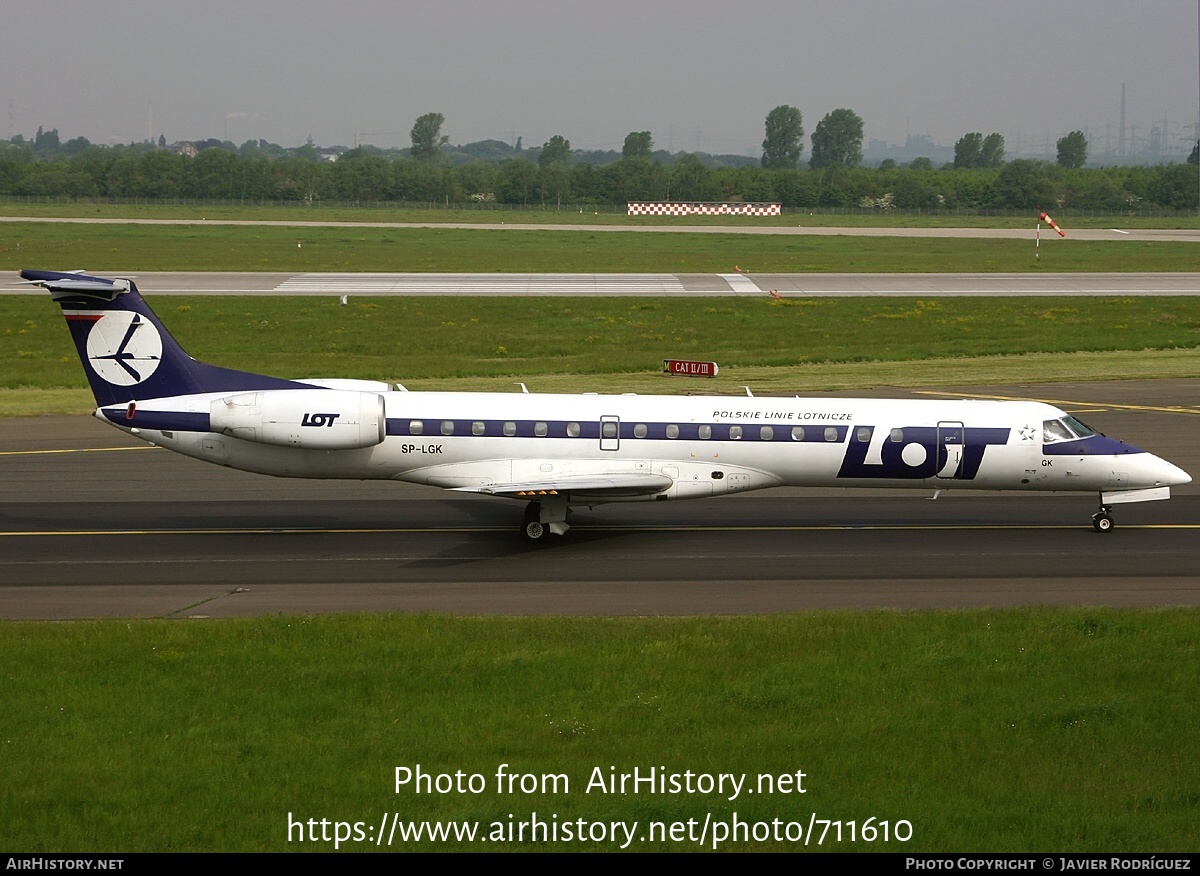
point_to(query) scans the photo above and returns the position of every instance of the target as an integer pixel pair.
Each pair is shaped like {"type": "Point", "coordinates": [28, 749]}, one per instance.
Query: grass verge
{"type": "Point", "coordinates": [1035, 730]}
{"type": "Point", "coordinates": [122, 248]}
{"type": "Point", "coordinates": [617, 345]}
{"type": "Point", "coordinates": [1029, 368]}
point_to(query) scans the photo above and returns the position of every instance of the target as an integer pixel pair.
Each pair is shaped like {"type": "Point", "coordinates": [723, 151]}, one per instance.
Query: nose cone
{"type": "Point", "coordinates": [1168, 474]}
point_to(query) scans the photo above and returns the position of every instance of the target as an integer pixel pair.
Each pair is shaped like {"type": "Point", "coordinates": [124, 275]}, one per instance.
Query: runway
{"type": "Point", "coordinates": [696, 285]}
{"type": "Point", "coordinates": [95, 524]}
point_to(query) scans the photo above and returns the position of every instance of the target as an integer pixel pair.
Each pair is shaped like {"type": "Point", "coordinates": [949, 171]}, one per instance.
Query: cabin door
{"type": "Point", "coordinates": [950, 438]}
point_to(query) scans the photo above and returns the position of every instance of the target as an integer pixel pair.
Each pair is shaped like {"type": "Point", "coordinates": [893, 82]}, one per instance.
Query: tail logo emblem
{"type": "Point", "coordinates": [124, 348]}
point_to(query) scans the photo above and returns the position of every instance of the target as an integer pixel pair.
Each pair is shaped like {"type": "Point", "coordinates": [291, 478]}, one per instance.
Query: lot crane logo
{"type": "Point", "coordinates": [124, 348]}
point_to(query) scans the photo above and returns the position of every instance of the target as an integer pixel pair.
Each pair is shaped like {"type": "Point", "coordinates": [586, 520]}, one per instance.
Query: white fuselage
{"type": "Point", "coordinates": [677, 447]}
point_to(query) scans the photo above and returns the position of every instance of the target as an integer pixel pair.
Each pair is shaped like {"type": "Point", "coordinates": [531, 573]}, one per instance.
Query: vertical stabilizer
{"type": "Point", "coordinates": [127, 353]}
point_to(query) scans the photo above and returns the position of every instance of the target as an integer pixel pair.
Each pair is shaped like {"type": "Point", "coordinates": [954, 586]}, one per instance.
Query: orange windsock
{"type": "Point", "coordinates": [1046, 218]}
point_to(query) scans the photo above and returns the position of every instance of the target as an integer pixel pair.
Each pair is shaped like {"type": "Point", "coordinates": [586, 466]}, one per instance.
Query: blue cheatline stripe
{"type": "Point", "coordinates": [430, 427]}
{"type": "Point", "coordinates": [1093, 445]}
{"type": "Point", "coordinates": [162, 421]}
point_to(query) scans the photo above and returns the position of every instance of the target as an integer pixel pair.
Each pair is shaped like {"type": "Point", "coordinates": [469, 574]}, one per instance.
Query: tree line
{"type": "Point", "coordinates": [555, 175]}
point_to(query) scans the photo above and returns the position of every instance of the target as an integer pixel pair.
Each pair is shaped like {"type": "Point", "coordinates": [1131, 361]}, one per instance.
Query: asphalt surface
{"type": "Point", "coordinates": [757, 285]}
{"type": "Point", "coordinates": [95, 524]}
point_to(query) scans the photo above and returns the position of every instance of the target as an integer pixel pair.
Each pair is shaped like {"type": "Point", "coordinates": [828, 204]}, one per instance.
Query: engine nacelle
{"type": "Point", "coordinates": [314, 419]}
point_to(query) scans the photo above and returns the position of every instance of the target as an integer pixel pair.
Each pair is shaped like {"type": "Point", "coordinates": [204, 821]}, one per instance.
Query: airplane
{"type": "Point", "coordinates": [558, 451]}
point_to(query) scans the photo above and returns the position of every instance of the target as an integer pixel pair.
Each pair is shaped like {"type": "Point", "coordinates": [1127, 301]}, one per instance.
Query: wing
{"type": "Point", "coordinates": [608, 486]}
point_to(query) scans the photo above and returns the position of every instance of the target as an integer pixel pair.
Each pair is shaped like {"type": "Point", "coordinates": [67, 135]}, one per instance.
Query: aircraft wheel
{"type": "Point", "coordinates": [1102, 521]}
{"type": "Point", "coordinates": [535, 531]}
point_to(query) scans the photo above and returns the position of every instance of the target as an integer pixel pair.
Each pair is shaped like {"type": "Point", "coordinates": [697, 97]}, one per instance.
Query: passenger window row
{"type": "Point", "coordinates": [704, 432]}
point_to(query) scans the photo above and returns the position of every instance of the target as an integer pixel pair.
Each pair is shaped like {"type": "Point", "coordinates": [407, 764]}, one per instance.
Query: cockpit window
{"type": "Point", "coordinates": [1066, 429]}
{"type": "Point", "coordinates": [1056, 430]}
{"type": "Point", "coordinates": [1081, 429]}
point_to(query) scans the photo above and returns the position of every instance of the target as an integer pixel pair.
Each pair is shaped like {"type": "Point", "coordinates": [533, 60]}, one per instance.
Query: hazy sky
{"type": "Point", "coordinates": [698, 74]}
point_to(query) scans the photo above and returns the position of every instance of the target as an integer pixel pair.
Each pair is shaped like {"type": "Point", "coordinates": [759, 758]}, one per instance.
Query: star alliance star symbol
{"type": "Point", "coordinates": [1027, 433]}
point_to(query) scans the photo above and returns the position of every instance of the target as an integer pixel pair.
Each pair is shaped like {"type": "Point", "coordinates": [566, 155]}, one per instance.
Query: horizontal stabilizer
{"type": "Point", "coordinates": [62, 283]}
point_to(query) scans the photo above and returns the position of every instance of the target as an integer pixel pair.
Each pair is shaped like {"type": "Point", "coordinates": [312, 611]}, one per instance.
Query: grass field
{"type": "Point", "coordinates": [124, 248]}
{"type": "Point", "coordinates": [617, 345]}
{"type": "Point", "coordinates": [1030, 730]}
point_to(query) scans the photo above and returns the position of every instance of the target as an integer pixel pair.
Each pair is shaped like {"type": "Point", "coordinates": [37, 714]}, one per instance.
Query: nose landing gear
{"type": "Point", "coordinates": [1102, 520]}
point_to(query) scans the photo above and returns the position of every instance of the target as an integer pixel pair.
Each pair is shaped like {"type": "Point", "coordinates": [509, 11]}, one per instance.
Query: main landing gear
{"type": "Point", "coordinates": [532, 528]}
{"type": "Point", "coordinates": [543, 519]}
{"type": "Point", "coordinates": [1102, 520]}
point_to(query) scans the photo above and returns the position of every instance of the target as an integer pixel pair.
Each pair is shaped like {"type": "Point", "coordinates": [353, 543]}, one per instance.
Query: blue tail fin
{"type": "Point", "coordinates": [127, 354]}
